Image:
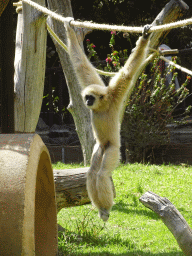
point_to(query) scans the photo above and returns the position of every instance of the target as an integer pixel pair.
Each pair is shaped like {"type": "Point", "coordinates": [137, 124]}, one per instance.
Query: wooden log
{"type": "Point", "coordinates": [28, 216]}
{"type": "Point", "coordinates": [70, 186]}
{"type": "Point", "coordinates": [172, 218]}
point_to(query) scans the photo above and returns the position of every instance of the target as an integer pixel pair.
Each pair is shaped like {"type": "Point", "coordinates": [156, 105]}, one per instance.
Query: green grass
{"type": "Point", "coordinates": [132, 229]}
{"type": "Point", "coordinates": [60, 165]}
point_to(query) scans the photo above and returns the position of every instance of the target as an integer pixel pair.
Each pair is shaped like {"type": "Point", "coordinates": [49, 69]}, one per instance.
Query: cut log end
{"type": "Point", "coordinates": [28, 217]}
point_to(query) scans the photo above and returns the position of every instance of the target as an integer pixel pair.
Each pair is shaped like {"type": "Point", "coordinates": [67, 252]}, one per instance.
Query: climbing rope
{"type": "Point", "coordinates": [90, 25]}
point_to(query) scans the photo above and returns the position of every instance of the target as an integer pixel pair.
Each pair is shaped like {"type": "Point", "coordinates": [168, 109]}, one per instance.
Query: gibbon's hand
{"type": "Point", "coordinates": [145, 32]}
{"type": "Point", "coordinates": [67, 22]}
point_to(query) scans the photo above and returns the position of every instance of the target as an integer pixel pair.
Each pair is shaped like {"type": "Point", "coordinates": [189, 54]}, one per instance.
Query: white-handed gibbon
{"type": "Point", "coordinates": [105, 103]}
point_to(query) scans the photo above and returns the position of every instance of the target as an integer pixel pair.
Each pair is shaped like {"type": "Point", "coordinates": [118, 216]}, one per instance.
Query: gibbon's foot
{"type": "Point", "coordinates": [146, 31]}
{"type": "Point", "coordinates": [68, 21]}
{"type": "Point", "coordinates": [103, 214]}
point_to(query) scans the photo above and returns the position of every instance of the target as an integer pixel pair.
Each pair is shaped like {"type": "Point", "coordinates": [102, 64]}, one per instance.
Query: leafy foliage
{"type": "Point", "coordinates": [149, 110]}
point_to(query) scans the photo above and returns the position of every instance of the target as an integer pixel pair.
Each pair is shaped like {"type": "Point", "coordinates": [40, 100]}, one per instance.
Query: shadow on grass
{"type": "Point", "coordinates": [98, 240]}
{"type": "Point", "coordinates": [125, 208]}
{"type": "Point", "coordinates": [136, 253]}
{"type": "Point", "coordinates": [76, 241]}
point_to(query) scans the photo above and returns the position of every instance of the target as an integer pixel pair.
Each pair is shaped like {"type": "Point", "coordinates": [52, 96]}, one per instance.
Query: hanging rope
{"type": "Point", "coordinates": [185, 70]}
{"type": "Point", "coordinates": [176, 65]}
{"type": "Point", "coordinates": [90, 25]}
{"type": "Point", "coordinates": [64, 46]}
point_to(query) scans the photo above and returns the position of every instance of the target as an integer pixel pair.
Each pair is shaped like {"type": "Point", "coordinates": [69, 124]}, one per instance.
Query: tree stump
{"type": "Point", "coordinates": [28, 217]}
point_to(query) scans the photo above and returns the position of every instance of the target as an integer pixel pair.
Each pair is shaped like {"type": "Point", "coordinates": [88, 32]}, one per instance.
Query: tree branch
{"type": "Point", "coordinates": [172, 218]}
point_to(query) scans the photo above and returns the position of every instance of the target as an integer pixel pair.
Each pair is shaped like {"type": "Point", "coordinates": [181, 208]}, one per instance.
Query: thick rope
{"type": "Point", "coordinates": [101, 72]}
{"type": "Point", "coordinates": [59, 41]}
{"type": "Point", "coordinates": [19, 6]}
{"type": "Point", "coordinates": [108, 27]}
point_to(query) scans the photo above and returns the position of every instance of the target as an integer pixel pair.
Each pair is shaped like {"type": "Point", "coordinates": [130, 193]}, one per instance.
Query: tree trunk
{"type": "Point", "coordinates": [30, 62]}
{"type": "Point", "coordinates": [70, 186]}
{"type": "Point", "coordinates": [172, 218]}
{"type": "Point", "coordinates": [80, 113]}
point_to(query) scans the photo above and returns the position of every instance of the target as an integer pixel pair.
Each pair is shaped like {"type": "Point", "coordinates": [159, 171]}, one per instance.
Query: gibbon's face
{"type": "Point", "coordinates": [94, 97]}
{"type": "Point", "coordinates": [93, 101]}
{"type": "Point", "coordinates": [89, 100]}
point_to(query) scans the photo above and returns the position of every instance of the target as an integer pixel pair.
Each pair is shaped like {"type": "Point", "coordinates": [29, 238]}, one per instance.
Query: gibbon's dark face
{"type": "Point", "coordinates": [89, 99]}
{"type": "Point", "coordinates": [94, 97]}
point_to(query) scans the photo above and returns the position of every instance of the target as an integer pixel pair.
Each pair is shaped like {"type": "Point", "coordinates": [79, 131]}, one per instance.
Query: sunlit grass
{"type": "Point", "coordinates": [132, 229]}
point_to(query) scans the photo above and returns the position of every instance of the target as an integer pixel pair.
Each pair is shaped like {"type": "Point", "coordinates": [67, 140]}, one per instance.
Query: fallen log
{"type": "Point", "coordinates": [70, 186]}
{"type": "Point", "coordinates": [172, 218]}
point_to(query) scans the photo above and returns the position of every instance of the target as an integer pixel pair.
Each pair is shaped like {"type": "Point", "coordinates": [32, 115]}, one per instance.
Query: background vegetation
{"type": "Point", "coordinates": [152, 106]}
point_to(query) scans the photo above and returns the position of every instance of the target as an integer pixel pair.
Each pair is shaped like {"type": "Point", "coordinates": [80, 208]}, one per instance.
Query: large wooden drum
{"type": "Point", "coordinates": [28, 219]}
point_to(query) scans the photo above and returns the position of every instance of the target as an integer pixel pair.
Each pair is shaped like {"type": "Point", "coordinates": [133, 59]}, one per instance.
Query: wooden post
{"type": "Point", "coordinates": [29, 77]}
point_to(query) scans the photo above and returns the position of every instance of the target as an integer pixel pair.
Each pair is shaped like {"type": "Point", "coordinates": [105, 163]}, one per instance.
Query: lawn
{"type": "Point", "coordinates": [131, 229]}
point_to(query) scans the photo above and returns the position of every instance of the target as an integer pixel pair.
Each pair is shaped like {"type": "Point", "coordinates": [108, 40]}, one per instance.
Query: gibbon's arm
{"type": "Point", "coordinates": [85, 71]}
{"type": "Point", "coordinates": [123, 82]}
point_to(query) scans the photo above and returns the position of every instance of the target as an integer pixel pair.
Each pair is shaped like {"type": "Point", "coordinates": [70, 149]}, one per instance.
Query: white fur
{"type": "Point", "coordinates": [105, 114]}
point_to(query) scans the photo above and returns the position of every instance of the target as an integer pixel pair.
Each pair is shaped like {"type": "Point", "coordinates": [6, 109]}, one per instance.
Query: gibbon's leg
{"type": "Point", "coordinates": [92, 174]}
{"type": "Point", "coordinates": [104, 182]}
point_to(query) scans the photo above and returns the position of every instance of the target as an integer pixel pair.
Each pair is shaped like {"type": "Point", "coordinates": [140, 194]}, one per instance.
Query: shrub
{"type": "Point", "coordinates": [149, 110]}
